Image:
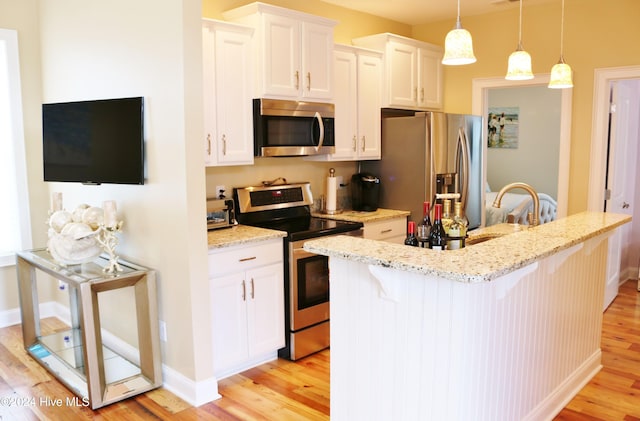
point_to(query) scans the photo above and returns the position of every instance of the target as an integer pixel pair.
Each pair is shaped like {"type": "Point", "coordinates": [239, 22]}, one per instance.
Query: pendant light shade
{"type": "Point", "coordinates": [561, 74]}
{"type": "Point", "coordinates": [519, 65]}
{"type": "Point", "coordinates": [458, 45]}
{"type": "Point", "coordinates": [519, 61]}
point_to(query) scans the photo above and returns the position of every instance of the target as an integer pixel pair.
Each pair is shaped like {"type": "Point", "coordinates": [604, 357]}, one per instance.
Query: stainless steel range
{"type": "Point", "coordinates": [286, 207]}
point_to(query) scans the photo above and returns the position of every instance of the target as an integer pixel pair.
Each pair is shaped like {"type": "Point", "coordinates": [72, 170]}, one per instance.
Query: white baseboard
{"type": "Point", "coordinates": [194, 393]}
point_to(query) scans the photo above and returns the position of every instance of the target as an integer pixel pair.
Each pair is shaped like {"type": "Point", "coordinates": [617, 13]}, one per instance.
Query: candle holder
{"type": "Point", "coordinates": [108, 240]}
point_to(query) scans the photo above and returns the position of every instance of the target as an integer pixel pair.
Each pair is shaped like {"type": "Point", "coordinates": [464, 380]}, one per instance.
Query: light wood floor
{"type": "Point", "coordinates": [284, 390]}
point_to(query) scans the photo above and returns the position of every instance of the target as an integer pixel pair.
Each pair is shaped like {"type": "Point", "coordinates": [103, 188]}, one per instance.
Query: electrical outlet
{"type": "Point", "coordinates": [221, 189]}
{"type": "Point", "coordinates": [340, 182]}
{"type": "Point", "coordinates": [162, 326]}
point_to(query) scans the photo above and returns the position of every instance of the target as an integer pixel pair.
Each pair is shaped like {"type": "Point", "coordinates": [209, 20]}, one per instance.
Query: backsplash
{"type": "Point", "coordinates": [293, 169]}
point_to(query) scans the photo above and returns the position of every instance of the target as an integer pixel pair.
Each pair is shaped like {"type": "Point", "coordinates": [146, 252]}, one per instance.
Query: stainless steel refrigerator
{"type": "Point", "coordinates": [430, 153]}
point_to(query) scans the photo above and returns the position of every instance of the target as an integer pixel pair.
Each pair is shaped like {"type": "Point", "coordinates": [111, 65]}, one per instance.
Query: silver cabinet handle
{"type": "Point", "coordinates": [355, 142]}
{"type": "Point", "coordinates": [253, 289]}
{"type": "Point", "coordinates": [415, 94]}
{"type": "Point", "coordinates": [245, 259]}
{"type": "Point", "coordinates": [422, 95]}
{"type": "Point", "coordinates": [297, 76]}
{"type": "Point", "coordinates": [364, 142]}
{"type": "Point", "coordinates": [308, 81]}
{"type": "Point", "coordinates": [224, 144]}
{"type": "Point", "coordinates": [244, 291]}
{"type": "Point", "coordinates": [208, 143]}
{"type": "Point", "coordinates": [386, 231]}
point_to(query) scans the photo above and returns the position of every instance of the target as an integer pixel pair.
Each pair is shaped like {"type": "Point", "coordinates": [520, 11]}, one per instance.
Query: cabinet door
{"type": "Point", "coordinates": [229, 295]}
{"type": "Point", "coordinates": [430, 79]}
{"type": "Point", "coordinates": [402, 65]}
{"type": "Point", "coordinates": [209, 93]}
{"type": "Point", "coordinates": [265, 294]}
{"type": "Point", "coordinates": [233, 70]}
{"type": "Point", "coordinates": [345, 100]}
{"type": "Point", "coordinates": [369, 102]}
{"type": "Point", "coordinates": [317, 63]}
{"type": "Point", "coordinates": [281, 74]}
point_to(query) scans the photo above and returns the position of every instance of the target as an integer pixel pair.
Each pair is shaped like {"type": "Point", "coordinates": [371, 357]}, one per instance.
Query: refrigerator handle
{"type": "Point", "coordinates": [463, 147]}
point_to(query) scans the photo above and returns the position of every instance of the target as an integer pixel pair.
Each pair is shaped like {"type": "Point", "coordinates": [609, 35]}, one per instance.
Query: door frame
{"type": "Point", "coordinates": [480, 104]}
{"type": "Point", "coordinates": [600, 130]}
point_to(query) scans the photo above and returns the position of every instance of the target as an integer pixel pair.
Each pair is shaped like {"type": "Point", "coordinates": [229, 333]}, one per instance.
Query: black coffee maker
{"type": "Point", "coordinates": [365, 192]}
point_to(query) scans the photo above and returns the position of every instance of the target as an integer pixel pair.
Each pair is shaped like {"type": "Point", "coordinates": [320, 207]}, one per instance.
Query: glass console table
{"type": "Point", "coordinates": [77, 356]}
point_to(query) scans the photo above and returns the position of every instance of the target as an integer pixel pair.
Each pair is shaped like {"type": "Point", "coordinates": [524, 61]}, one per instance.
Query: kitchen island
{"type": "Point", "coordinates": [505, 329]}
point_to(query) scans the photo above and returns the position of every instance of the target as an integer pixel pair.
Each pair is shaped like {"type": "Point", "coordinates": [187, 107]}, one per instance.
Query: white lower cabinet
{"type": "Point", "coordinates": [247, 299]}
{"type": "Point", "coordinates": [392, 230]}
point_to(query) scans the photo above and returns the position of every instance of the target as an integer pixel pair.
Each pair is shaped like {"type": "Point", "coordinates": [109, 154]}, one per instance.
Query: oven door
{"type": "Point", "coordinates": [309, 287]}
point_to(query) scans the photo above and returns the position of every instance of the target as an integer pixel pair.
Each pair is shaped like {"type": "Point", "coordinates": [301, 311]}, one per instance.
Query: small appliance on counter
{"type": "Point", "coordinates": [220, 214]}
{"type": "Point", "coordinates": [365, 192]}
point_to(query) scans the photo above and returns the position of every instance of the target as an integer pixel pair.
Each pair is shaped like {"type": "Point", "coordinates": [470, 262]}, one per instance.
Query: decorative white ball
{"type": "Point", "coordinates": [93, 216]}
{"type": "Point", "coordinates": [59, 219]}
{"type": "Point", "coordinates": [79, 212]}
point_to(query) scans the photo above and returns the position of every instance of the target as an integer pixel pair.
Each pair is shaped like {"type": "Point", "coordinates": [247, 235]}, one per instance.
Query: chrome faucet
{"type": "Point", "coordinates": [533, 218]}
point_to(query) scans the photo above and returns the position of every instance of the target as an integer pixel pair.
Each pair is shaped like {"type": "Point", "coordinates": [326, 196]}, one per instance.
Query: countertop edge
{"type": "Point", "coordinates": [478, 263]}
{"type": "Point", "coordinates": [239, 235]}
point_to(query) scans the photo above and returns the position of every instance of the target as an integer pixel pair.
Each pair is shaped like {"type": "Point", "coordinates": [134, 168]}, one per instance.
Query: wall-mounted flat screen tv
{"type": "Point", "coordinates": [94, 142]}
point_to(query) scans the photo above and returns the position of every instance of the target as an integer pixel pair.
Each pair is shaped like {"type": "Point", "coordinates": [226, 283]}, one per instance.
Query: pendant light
{"type": "Point", "coordinates": [458, 45]}
{"type": "Point", "coordinates": [561, 73]}
{"type": "Point", "coordinates": [519, 61]}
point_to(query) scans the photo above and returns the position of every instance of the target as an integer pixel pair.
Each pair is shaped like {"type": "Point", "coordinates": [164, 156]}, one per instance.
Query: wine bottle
{"type": "Point", "coordinates": [447, 216]}
{"type": "Point", "coordinates": [411, 239]}
{"type": "Point", "coordinates": [437, 237]}
{"type": "Point", "coordinates": [423, 230]}
{"type": "Point", "coordinates": [458, 229]}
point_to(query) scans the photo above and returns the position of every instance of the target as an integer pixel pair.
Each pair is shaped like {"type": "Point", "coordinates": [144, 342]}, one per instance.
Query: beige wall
{"type": "Point", "coordinates": [597, 34]}
{"type": "Point", "coordinates": [120, 48]}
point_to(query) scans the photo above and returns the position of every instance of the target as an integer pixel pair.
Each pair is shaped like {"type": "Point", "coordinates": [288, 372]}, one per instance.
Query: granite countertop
{"type": "Point", "coordinates": [482, 262]}
{"type": "Point", "coordinates": [240, 234]}
{"type": "Point", "coordinates": [364, 217]}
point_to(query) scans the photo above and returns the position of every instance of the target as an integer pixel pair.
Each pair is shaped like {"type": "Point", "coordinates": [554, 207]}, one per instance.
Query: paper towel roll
{"type": "Point", "coordinates": [332, 192]}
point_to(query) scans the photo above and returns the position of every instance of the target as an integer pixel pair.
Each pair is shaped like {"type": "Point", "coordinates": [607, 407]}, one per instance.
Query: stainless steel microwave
{"type": "Point", "coordinates": [292, 128]}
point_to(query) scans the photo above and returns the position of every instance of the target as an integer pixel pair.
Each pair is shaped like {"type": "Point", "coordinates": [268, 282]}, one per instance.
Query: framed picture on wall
{"type": "Point", "coordinates": [503, 127]}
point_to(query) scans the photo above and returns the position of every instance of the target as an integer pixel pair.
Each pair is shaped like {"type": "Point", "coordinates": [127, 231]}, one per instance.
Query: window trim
{"type": "Point", "coordinates": [10, 38]}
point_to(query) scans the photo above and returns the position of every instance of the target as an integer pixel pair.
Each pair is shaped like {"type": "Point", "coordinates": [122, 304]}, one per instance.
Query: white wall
{"type": "Point", "coordinates": [152, 49]}
{"type": "Point", "coordinates": [535, 161]}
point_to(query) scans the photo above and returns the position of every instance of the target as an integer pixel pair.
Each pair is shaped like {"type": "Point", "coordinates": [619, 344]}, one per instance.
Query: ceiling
{"type": "Point", "coordinates": [416, 12]}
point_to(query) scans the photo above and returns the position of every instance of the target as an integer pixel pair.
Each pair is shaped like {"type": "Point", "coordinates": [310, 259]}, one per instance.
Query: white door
{"type": "Point", "coordinates": [623, 132]}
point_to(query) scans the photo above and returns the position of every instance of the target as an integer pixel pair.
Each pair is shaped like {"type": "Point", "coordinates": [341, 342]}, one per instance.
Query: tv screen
{"type": "Point", "coordinates": [94, 142]}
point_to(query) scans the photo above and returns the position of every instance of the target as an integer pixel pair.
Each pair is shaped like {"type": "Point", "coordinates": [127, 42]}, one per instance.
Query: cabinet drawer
{"type": "Point", "coordinates": [384, 230]}
{"type": "Point", "coordinates": [240, 258]}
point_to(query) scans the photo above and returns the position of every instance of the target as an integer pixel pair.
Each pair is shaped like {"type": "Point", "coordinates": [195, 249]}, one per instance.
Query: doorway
{"type": "Point", "coordinates": [623, 252]}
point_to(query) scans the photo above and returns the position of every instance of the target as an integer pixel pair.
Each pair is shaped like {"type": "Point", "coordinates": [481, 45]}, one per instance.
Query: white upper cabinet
{"type": "Point", "coordinates": [412, 71]}
{"type": "Point", "coordinates": [227, 81]}
{"type": "Point", "coordinates": [357, 98]}
{"type": "Point", "coordinates": [294, 51]}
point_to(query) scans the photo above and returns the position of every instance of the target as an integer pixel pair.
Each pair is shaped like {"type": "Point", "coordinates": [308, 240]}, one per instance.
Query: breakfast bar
{"type": "Point", "coordinates": [507, 328]}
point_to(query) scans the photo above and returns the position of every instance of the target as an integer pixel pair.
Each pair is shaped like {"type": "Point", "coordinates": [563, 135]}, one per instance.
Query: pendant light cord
{"type": "Point", "coordinates": [520, 29]}
{"type": "Point", "coordinates": [562, 33]}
